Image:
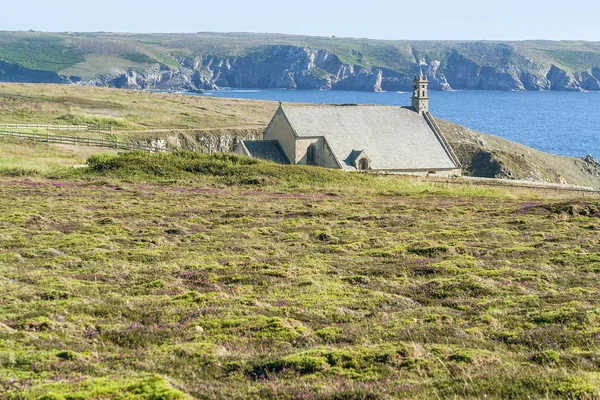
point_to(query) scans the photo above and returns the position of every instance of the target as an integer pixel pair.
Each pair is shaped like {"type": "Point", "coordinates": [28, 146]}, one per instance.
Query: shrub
{"type": "Point", "coordinates": [329, 334]}
{"type": "Point", "coordinates": [304, 363]}
{"type": "Point", "coordinates": [67, 355]}
{"type": "Point", "coordinates": [463, 357]}
{"type": "Point", "coordinates": [17, 172]}
{"type": "Point", "coordinates": [226, 168]}
{"type": "Point", "coordinates": [155, 388]}
{"type": "Point", "coordinates": [546, 357]}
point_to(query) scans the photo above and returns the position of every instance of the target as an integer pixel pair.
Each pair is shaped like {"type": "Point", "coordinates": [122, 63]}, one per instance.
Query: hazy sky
{"type": "Point", "coordinates": [433, 19]}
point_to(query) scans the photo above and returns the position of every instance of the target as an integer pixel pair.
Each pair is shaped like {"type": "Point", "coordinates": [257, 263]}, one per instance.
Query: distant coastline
{"type": "Point", "coordinates": [207, 61]}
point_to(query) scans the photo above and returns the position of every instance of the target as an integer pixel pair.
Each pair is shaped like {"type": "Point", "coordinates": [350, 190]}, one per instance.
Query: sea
{"type": "Point", "coordinates": [564, 123]}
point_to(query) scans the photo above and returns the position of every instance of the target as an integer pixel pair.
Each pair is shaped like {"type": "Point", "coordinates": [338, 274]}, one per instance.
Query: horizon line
{"type": "Point", "coordinates": [295, 34]}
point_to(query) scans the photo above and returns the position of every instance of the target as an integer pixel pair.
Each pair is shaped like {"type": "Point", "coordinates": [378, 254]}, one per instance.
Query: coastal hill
{"type": "Point", "coordinates": [210, 60]}
{"type": "Point", "coordinates": [214, 124]}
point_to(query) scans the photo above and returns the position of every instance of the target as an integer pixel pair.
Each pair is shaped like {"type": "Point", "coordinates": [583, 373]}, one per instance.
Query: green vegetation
{"type": "Point", "coordinates": [18, 157]}
{"type": "Point", "coordinates": [139, 58]}
{"type": "Point", "coordinates": [39, 52]}
{"type": "Point", "coordinates": [173, 275]}
{"type": "Point", "coordinates": [225, 168]}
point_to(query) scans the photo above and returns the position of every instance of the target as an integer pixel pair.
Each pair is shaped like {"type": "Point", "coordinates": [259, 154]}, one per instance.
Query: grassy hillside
{"type": "Point", "coordinates": [85, 54]}
{"type": "Point", "coordinates": [180, 275]}
{"type": "Point", "coordinates": [127, 110]}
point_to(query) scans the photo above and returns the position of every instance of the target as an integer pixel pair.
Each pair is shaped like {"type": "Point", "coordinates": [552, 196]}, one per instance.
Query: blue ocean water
{"type": "Point", "coordinates": [565, 123]}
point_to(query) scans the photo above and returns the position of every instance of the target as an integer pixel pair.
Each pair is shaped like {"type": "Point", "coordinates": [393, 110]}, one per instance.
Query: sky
{"type": "Point", "coordinates": [396, 20]}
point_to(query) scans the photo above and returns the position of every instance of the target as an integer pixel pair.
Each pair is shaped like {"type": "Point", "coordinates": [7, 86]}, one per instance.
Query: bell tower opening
{"type": "Point", "coordinates": [420, 98]}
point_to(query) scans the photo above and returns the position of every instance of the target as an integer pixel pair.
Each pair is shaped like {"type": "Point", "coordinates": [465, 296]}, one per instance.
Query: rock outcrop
{"type": "Point", "coordinates": [488, 156]}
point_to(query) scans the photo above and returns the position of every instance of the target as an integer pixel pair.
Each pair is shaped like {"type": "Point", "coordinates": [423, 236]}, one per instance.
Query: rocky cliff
{"type": "Point", "coordinates": [290, 67]}
{"type": "Point", "coordinates": [210, 61]}
{"type": "Point", "coordinates": [284, 67]}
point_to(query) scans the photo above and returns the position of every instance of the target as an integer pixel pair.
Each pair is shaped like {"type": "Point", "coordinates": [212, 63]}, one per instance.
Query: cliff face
{"type": "Point", "coordinates": [278, 67]}
{"type": "Point", "coordinates": [291, 67]}
{"type": "Point", "coordinates": [210, 60]}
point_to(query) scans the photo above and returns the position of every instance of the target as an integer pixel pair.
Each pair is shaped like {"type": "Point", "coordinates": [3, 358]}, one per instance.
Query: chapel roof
{"type": "Point", "coordinates": [395, 138]}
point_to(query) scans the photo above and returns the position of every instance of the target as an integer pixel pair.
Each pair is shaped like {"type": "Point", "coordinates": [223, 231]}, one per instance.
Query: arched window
{"type": "Point", "coordinates": [363, 164]}
{"type": "Point", "coordinates": [311, 155]}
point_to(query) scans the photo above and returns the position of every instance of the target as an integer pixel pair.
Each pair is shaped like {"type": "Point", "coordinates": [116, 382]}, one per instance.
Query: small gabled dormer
{"type": "Point", "coordinates": [359, 160]}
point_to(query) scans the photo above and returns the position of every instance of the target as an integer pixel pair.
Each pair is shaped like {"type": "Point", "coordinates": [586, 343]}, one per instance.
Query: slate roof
{"type": "Point", "coordinates": [394, 138]}
{"type": "Point", "coordinates": [266, 150]}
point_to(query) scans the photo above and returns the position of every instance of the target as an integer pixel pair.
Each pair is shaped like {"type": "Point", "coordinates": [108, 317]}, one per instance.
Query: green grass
{"type": "Point", "coordinates": [128, 110]}
{"type": "Point", "coordinates": [171, 275]}
{"type": "Point", "coordinates": [232, 169]}
{"type": "Point", "coordinates": [29, 158]}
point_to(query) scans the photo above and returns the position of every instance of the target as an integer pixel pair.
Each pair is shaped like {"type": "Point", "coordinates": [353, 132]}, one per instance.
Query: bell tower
{"type": "Point", "coordinates": [420, 97]}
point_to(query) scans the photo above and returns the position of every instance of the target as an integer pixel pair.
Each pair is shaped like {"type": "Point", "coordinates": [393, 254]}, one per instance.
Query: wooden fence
{"type": "Point", "coordinates": [80, 141]}
{"type": "Point", "coordinates": [48, 127]}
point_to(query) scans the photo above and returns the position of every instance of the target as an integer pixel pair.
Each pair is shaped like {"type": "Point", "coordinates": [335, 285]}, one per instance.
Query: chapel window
{"type": "Point", "coordinates": [363, 164]}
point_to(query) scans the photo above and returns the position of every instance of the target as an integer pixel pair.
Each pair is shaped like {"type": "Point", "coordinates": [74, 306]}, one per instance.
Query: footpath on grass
{"type": "Point", "coordinates": [471, 180]}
